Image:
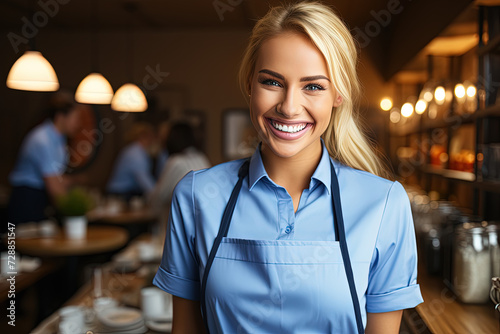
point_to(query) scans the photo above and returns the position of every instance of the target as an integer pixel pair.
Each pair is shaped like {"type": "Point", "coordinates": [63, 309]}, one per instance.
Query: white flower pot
{"type": "Point", "coordinates": [75, 227]}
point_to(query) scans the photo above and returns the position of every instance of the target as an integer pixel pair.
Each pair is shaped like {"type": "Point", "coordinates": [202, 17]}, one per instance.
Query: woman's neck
{"type": "Point", "coordinates": [293, 173]}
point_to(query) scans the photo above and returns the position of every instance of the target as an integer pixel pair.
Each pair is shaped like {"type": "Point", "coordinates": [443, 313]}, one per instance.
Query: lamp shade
{"type": "Point", "coordinates": [32, 72]}
{"type": "Point", "coordinates": [129, 98]}
{"type": "Point", "coordinates": [94, 89]}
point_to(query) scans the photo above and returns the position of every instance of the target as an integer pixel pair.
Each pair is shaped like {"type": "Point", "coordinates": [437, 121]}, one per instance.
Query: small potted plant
{"type": "Point", "coordinates": [72, 207]}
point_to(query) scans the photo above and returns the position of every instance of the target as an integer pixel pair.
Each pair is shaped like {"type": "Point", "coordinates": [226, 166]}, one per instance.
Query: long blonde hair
{"type": "Point", "coordinates": [343, 138]}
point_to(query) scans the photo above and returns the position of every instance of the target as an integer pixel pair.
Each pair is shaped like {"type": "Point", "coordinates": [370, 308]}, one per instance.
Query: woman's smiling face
{"type": "Point", "coordinates": [291, 96]}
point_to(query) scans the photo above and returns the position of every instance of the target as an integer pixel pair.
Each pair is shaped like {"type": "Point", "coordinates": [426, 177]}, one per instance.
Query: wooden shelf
{"type": "Point", "coordinates": [491, 186]}
{"type": "Point", "coordinates": [449, 173]}
{"type": "Point", "coordinates": [493, 46]}
{"type": "Point", "coordinates": [493, 110]}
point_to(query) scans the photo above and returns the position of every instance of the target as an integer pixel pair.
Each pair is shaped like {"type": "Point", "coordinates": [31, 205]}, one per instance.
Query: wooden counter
{"type": "Point", "coordinates": [442, 313]}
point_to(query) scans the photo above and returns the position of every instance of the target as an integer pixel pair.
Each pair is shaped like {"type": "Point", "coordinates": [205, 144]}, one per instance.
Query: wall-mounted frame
{"type": "Point", "coordinates": [84, 146]}
{"type": "Point", "coordinates": [239, 138]}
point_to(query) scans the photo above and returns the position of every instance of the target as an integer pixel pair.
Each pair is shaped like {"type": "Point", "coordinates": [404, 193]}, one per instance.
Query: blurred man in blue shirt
{"type": "Point", "coordinates": [132, 174]}
{"type": "Point", "coordinates": [38, 175]}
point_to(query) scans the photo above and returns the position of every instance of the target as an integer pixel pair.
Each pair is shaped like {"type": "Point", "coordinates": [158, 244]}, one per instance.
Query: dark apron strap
{"type": "Point", "coordinates": [339, 235]}
{"type": "Point", "coordinates": [224, 227]}
{"type": "Point", "coordinates": [340, 232]}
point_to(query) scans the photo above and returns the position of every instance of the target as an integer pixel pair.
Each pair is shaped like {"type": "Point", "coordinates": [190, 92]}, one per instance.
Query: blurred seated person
{"type": "Point", "coordinates": [162, 156]}
{"type": "Point", "coordinates": [38, 175]}
{"type": "Point", "coordinates": [183, 158]}
{"type": "Point", "coordinates": [132, 173]}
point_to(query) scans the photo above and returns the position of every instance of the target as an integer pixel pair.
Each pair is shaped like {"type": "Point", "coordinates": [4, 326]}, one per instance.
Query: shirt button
{"type": "Point", "coordinates": [288, 229]}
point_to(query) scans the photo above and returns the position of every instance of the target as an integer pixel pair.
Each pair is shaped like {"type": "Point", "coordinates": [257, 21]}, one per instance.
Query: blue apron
{"type": "Point", "coordinates": [257, 256]}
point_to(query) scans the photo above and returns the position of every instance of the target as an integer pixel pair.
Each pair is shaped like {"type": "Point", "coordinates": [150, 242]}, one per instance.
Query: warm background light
{"type": "Point", "coordinates": [428, 96]}
{"type": "Point", "coordinates": [395, 116]}
{"type": "Point", "coordinates": [459, 91]}
{"type": "Point", "coordinates": [94, 89]}
{"type": "Point", "coordinates": [386, 104]}
{"type": "Point", "coordinates": [407, 109]}
{"type": "Point", "coordinates": [471, 91]}
{"type": "Point", "coordinates": [129, 98]}
{"type": "Point", "coordinates": [440, 94]}
{"type": "Point", "coordinates": [420, 106]}
{"type": "Point", "coordinates": [32, 72]}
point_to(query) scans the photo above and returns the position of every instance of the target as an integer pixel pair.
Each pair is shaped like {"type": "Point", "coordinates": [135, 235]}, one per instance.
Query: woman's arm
{"type": "Point", "coordinates": [187, 317]}
{"type": "Point", "coordinates": [383, 323]}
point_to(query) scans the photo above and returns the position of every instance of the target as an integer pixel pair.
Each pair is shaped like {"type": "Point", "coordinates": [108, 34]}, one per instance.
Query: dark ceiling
{"type": "Point", "coordinates": [399, 38]}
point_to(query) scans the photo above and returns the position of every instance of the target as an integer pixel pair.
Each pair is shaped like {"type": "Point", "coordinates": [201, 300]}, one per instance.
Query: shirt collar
{"type": "Point", "coordinates": [322, 173]}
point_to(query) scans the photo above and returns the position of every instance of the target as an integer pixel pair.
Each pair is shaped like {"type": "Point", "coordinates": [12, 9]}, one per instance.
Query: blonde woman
{"type": "Point", "coordinates": [305, 236]}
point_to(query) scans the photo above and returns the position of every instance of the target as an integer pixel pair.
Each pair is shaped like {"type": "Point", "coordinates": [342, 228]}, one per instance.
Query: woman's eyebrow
{"type": "Point", "coordinates": [314, 78]}
{"type": "Point", "coordinates": [281, 77]}
{"type": "Point", "coordinates": [274, 74]}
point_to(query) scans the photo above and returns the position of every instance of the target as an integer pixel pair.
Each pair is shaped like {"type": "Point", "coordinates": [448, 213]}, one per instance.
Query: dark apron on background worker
{"type": "Point", "coordinates": [27, 204]}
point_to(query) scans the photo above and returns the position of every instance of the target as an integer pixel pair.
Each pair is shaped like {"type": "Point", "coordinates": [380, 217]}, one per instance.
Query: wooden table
{"type": "Point", "coordinates": [442, 313]}
{"type": "Point", "coordinates": [139, 216]}
{"type": "Point", "coordinates": [100, 239]}
{"type": "Point", "coordinates": [27, 279]}
{"type": "Point", "coordinates": [115, 285]}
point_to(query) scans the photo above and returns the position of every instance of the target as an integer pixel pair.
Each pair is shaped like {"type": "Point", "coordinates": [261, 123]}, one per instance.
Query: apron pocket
{"type": "Point", "coordinates": [280, 251]}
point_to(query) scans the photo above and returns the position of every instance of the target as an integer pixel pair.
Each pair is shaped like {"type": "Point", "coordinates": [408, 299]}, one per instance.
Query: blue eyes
{"type": "Point", "coordinates": [310, 87]}
{"type": "Point", "coordinates": [270, 82]}
{"type": "Point", "coordinates": [314, 87]}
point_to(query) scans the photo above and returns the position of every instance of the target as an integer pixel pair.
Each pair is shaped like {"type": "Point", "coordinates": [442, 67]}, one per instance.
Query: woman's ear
{"type": "Point", "coordinates": [338, 101]}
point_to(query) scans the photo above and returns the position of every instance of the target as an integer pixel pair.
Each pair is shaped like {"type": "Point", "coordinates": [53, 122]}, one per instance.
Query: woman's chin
{"type": "Point", "coordinates": [284, 150]}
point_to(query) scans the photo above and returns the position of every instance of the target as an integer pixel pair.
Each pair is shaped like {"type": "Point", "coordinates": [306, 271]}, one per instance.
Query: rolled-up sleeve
{"type": "Point", "coordinates": [393, 271]}
{"type": "Point", "coordinates": [178, 272]}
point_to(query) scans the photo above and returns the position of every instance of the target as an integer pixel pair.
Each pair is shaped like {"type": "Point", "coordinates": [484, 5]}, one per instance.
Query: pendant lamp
{"type": "Point", "coordinates": [32, 72]}
{"type": "Point", "coordinates": [129, 97]}
{"type": "Point", "coordinates": [94, 88]}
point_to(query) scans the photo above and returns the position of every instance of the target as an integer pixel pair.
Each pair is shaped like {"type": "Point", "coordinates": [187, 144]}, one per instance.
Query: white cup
{"type": "Point", "coordinates": [146, 250]}
{"type": "Point", "coordinates": [75, 227]}
{"type": "Point", "coordinates": [104, 303]}
{"type": "Point", "coordinates": [156, 304]}
{"type": "Point", "coordinates": [71, 320]}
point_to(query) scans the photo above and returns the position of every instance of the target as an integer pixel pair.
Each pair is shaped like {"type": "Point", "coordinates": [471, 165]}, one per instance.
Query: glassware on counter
{"type": "Point", "coordinates": [472, 263]}
{"type": "Point", "coordinates": [494, 239]}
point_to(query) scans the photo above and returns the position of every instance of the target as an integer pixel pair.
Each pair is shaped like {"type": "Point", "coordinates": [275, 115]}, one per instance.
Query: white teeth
{"type": "Point", "coordinates": [288, 128]}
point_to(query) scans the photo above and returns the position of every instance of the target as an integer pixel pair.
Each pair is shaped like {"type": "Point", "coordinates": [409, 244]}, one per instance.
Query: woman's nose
{"type": "Point", "coordinates": [290, 105]}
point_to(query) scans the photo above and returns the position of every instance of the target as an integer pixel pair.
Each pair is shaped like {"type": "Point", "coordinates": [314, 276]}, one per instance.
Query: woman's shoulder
{"type": "Point", "coordinates": [365, 182]}
{"type": "Point", "coordinates": [223, 175]}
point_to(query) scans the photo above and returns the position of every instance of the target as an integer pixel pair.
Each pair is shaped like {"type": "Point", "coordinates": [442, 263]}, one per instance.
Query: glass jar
{"type": "Point", "coordinates": [472, 263]}
{"type": "Point", "coordinates": [453, 222]}
{"type": "Point", "coordinates": [493, 230]}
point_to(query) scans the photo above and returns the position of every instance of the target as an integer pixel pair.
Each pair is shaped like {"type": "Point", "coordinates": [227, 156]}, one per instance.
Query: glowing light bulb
{"type": "Point", "coordinates": [459, 91]}
{"type": "Point", "coordinates": [386, 104]}
{"type": "Point", "coordinates": [420, 106]}
{"type": "Point", "coordinates": [471, 91]}
{"type": "Point", "coordinates": [407, 109]}
{"type": "Point", "coordinates": [440, 94]}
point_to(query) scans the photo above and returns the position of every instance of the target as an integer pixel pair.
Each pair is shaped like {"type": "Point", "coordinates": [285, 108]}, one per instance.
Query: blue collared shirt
{"type": "Point", "coordinates": [132, 171]}
{"type": "Point", "coordinates": [300, 285]}
{"type": "Point", "coordinates": [43, 153]}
